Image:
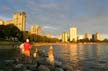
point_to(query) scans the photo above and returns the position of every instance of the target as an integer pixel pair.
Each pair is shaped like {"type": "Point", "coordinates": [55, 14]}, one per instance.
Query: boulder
{"type": "Point", "coordinates": [18, 65]}
{"type": "Point", "coordinates": [43, 68]}
{"type": "Point", "coordinates": [51, 67]}
{"type": "Point", "coordinates": [42, 53]}
{"type": "Point", "coordinates": [58, 69]}
{"type": "Point", "coordinates": [67, 67]}
{"type": "Point", "coordinates": [42, 60]}
{"type": "Point", "coordinates": [32, 67]}
{"type": "Point", "coordinates": [57, 64]}
{"type": "Point", "coordinates": [27, 70]}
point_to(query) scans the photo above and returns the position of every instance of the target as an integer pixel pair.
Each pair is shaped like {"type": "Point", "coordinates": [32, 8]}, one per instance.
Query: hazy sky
{"type": "Point", "coordinates": [57, 16]}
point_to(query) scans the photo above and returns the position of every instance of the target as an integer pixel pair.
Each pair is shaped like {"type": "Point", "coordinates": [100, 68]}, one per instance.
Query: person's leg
{"type": "Point", "coordinates": [27, 56]}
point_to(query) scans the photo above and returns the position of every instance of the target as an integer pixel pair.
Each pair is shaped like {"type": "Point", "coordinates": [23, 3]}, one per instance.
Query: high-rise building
{"type": "Point", "coordinates": [73, 34]}
{"type": "Point", "coordinates": [87, 36]}
{"type": "Point", "coordinates": [1, 22]}
{"type": "Point", "coordinates": [80, 37]}
{"type": "Point", "coordinates": [39, 31]}
{"type": "Point", "coordinates": [64, 37]}
{"type": "Point", "coordinates": [57, 36]}
{"type": "Point", "coordinates": [19, 20]}
{"type": "Point", "coordinates": [97, 36]}
{"type": "Point", "coordinates": [48, 35]}
{"type": "Point", "coordinates": [35, 29]}
{"type": "Point", "coordinates": [8, 22]}
{"type": "Point", "coordinates": [93, 37]}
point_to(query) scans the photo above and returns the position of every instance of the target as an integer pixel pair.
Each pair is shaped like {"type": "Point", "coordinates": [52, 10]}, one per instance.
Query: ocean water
{"type": "Point", "coordinates": [82, 57]}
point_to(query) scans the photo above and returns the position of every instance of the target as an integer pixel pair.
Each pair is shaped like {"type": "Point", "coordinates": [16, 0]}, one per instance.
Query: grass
{"type": "Point", "coordinates": [8, 42]}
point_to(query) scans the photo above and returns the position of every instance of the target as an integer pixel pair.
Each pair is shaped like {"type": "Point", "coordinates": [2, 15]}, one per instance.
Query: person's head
{"type": "Point", "coordinates": [51, 48]}
{"type": "Point", "coordinates": [27, 40]}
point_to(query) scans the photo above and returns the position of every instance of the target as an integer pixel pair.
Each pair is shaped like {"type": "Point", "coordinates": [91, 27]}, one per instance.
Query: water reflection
{"type": "Point", "coordinates": [85, 57]}
{"type": "Point", "coordinates": [73, 53]}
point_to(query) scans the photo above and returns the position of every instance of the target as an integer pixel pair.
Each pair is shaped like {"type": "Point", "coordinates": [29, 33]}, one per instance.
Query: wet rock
{"type": "Point", "coordinates": [102, 62]}
{"type": "Point", "coordinates": [32, 67]}
{"type": "Point", "coordinates": [42, 53]}
{"type": "Point", "coordinates": [1, 70]}
{"type": "Point", "coordinates": [18, 65]}
{"type": "Point", "coordinates": [58, 69]}
{"type": "Point", "coordinates": [43, 68]}
{"type": "Point", "coordinates": [27, 70]}
{"type": "Point", "coordinates": [57, 64]}
{"type": "Point", "coordinates": [51, 67]}
{"type": "Point", "coordinates": [42, 61]}
{"type": "Point", "coordinates": [67, 67]}
{"type": "Point", "coordinates": [9, 61]}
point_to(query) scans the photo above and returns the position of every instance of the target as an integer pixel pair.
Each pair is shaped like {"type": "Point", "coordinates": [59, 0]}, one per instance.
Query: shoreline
{"type": "Point", "coordinates": [61, 43]}
{"type": "Point", "coordinates": [4, 43]}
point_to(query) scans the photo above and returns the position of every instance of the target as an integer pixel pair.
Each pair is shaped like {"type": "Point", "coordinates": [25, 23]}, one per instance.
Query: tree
{"type": "Point", "coordinates": [9, 32]}
{"type": "Point", "coordinates": [2, 29]}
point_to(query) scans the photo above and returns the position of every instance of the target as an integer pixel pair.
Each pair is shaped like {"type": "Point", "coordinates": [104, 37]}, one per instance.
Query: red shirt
{"type": "Point", "coordinates": [27, 46]}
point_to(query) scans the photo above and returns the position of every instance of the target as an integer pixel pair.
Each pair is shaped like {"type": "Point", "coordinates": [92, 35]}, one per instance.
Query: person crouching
{"type": "Point", "coordinates": [50, 55]}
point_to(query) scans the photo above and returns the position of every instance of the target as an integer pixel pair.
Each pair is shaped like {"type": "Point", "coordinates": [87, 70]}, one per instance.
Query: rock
{"type": "Point", "coordinates": [57, 64]}
{"type": "Point", "coordinates": [51, 67]}
{"type": "Point", "coordinates": [18, 65]}
{"type": "Point", "coordinates": [43, 68]}
{"type": "Point", "coordinates": [42, 61]}
{"type": "Point", "coordinates": [42, 53]}
{"type": "Point", "coordinates": [32, 67]}
{"type": "Point", "coordinates": [27, 70]}
{"type": "Point", "coordinates": [67, 67]}
{"type": "Point", "coordinates": [1, 70]}
{"type": "Point", "coordinates": [9, 61]}
{"type": "Point", "coordinates": [58, 69]}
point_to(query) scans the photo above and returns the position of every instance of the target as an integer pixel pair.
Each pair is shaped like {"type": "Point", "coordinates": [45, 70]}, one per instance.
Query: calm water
{"type": "Point", "coordinates": [82, 57]}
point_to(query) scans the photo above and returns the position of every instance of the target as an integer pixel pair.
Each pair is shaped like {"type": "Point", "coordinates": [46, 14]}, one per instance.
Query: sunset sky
{"type": "Point", "coordinates": [57, 16]}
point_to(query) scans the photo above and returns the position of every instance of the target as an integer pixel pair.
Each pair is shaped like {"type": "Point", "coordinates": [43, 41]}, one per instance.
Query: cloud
{"type": "Point", "coordinates": [52, 29]}
{"type": "Point", "coordinates": [57, 16]}
{"type": "Point", "coordinates": [52, 6]}
{"type": "Point", "coordinates": [5, 8]}
{"type": "Point", "coordinates": [48, 28]}
{"type": "Point", "coordinates": [91, 24]}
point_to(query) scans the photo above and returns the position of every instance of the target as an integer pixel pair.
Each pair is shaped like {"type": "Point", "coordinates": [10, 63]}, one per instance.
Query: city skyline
{"type": "Point", "coordinates": [56, 16]}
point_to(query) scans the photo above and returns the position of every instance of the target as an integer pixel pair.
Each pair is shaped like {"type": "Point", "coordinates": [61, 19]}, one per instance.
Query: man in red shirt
{"type": "Point", "coordinates": [27, 47]}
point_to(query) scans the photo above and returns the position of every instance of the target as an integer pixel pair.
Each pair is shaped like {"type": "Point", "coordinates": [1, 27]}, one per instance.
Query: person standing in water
{"type": "Point", "coordinates": [50, 55]}
{"type": "Point", "coordinates": [22, 48]}
{"type": "Point", "coordinates": [20, 56]}
{"type": "Point", "coordinates": [27, 47]}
